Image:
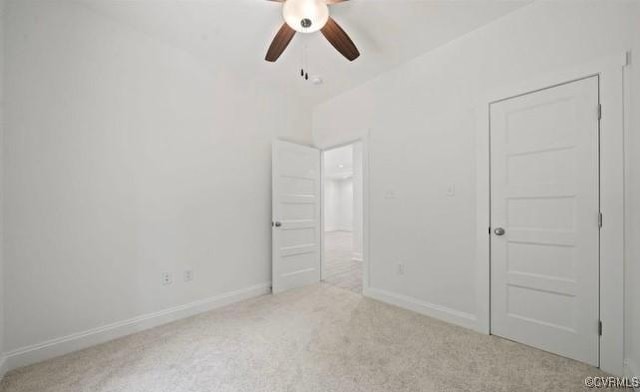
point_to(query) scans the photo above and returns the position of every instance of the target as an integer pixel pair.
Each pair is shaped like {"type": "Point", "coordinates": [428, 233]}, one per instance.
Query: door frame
{"type": "Point", "coordinates": [612, 178]}
{"type": "Point", "coordinates": [364, 140]}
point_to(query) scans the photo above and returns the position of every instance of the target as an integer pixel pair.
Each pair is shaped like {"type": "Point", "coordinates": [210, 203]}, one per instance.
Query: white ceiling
{"type": "Point", "coordinates": [338, 163]}
{"type": "Point", "coordinates": [235, 34]}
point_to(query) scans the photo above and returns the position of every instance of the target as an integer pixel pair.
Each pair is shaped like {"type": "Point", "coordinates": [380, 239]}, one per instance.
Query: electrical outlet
{"type": "Point", "coordinates": [451, 190]}
{"type": "Point", "coordinates": [188, 275]}
{"type": "Point", "coordinates": [166, 279]}
{"type": "Point", "coordinates": [400, 269]}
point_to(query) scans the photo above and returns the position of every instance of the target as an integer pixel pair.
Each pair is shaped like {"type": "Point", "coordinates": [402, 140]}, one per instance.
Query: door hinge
{"type": "Point", "coordinates": [599, 219]}
{"type": "Point", "coordinates": [599, 111]}
{"type": "Point", "coordinates": [599, 327]}
{"type": "Point", "coordinates": [489, 230]}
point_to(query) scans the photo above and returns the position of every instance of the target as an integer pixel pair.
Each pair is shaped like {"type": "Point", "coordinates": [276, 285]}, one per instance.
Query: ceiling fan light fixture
{"type": "Point", "coordinates": [305, 16]}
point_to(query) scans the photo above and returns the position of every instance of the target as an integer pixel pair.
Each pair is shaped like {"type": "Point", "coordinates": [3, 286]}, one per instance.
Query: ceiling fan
{"type": "Point", "coordinates": [309, 16]}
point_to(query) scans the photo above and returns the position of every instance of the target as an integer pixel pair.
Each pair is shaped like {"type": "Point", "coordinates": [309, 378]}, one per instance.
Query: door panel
{"type": "Point", "coordinates": [544, 193]}
{"type": "Point", "coordinates": [296, 209]}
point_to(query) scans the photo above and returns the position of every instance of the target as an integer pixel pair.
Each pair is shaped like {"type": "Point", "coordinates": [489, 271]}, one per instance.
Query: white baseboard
{"type": "Point", "coordinates": [63, 345]}
{"type": "Point", "coordinates": [631, 370]}
{"type": "Point", "coordinates": [463, 319]}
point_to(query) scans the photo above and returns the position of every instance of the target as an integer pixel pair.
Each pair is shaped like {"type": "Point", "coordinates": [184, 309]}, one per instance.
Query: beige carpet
{"type": "Point", "coordinates": [339, 268]}
{"type": "Point", "coordinates": [319, 338]}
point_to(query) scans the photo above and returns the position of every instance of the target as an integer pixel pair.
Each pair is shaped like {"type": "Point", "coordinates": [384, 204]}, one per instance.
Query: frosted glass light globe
{"type": "Point", "coordinates": [305, 16]}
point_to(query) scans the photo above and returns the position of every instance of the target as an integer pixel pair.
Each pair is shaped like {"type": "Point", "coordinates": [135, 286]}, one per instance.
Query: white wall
{"type": "Point", "coordinates": [338, 204]}
{"type": "Point", "coordinates": [125, 158]}
{"type": "Point", "coordinates": [2, 59]}
{"type": "Point", "coordinates": [422, 128]}
{"type": "Point", "coordinates": [633, 207]}
{"type": "Point", "coordinates": [338, 188]}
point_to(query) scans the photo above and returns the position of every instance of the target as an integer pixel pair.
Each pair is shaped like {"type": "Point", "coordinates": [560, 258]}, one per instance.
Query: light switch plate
{"type": "Point", "coordinates": [390, 194]}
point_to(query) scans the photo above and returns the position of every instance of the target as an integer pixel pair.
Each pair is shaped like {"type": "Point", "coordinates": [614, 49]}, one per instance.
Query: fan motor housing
{"type": "Point", "coordinates": [305, 16]}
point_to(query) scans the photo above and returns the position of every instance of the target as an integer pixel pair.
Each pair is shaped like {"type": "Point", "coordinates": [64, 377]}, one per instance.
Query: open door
{"type": "Point", "coordinates": [296, 215]}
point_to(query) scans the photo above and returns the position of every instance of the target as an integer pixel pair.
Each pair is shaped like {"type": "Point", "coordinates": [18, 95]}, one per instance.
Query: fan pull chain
{"type": "Point", "coordinates": [303, 64]}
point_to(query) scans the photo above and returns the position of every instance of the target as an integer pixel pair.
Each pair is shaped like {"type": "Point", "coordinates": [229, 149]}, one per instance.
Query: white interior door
{"type": "Point", "coordinates": [296, 215]}
{"type": "Point", "coordinates": [545, 219]}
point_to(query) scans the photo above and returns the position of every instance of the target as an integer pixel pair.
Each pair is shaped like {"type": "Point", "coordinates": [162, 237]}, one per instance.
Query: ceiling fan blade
{"type": "Point", "coordinates": [340, 40]}
{"type": "Point", "coordinates": [280, 42]}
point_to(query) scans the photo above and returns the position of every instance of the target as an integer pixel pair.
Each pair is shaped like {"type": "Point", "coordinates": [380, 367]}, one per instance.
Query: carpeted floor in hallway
{"type": "Point", "coordinates": [339, 268]}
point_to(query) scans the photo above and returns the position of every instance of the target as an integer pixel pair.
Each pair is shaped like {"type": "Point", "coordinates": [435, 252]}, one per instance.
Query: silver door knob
{"type": "Point", "coordinates": [499, 231]}
{"type": "Point", "coordinates": [277, 224]}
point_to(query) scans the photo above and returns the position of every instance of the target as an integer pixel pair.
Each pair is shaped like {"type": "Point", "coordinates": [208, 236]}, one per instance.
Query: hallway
{"type": "Point", "coordinates": [340, 269]}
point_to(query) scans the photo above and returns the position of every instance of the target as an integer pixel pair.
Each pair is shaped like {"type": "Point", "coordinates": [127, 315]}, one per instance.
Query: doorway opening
{"type": "Point", "coordinates": [607, 327]}
{"type": "Point", "coordinates": [342, 217]}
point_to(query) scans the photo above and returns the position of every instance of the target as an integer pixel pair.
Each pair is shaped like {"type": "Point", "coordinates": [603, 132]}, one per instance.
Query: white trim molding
{"type": "Point", "coordinates": [631, 370]}
{"type": "Point", "coordinates": [66, 344]}
{"type": "Point", "coordinates": [443, 313]}
{"type": "Point", "coordinates": [612, 171]}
